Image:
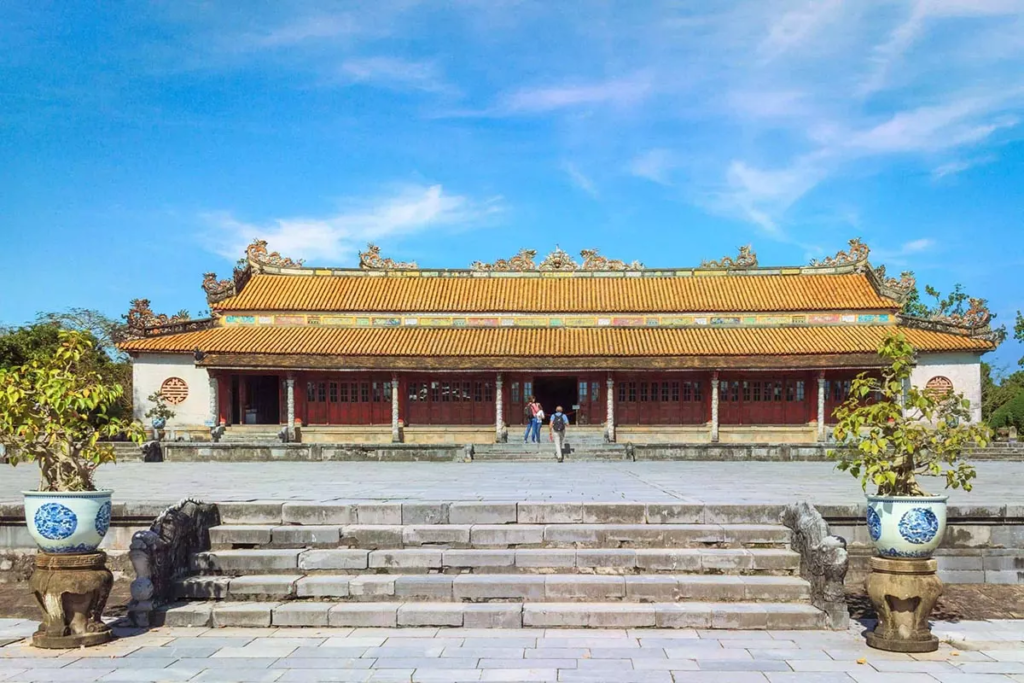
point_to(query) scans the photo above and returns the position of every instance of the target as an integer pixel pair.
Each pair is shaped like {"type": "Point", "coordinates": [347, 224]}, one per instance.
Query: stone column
{"type": "Point", "coordinates": [610, 409]}
{"type": "Point", "coordinates": [289, 394]}
{"type": "Point", "coordinates": [499, 408]}
{"type": "Point", "coordinates": [821, 406]}
{"type": "Point", "coordinates": [214, 401]}
{"type": "Point", "coordinates": [396, 434]}
{"type": "Point", "coordinates": [714, 406]}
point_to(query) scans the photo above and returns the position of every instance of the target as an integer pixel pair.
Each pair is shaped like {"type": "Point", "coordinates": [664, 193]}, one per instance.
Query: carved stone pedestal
{"type": "Point", "coordinates": [903, 593]}
{"type": "Point", "coordinates": [72, 591]}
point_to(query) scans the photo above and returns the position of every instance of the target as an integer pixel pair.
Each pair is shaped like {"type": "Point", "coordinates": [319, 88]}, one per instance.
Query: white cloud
{"type": "Point", "coordinates": [544, 99]}
{"type": "Point", "coordinates": [918, 245]}
{"type": "Point", "coordinates": [316, 28]}
{"type": "Point", "coordinates": [762, 196]}
{"type": "Point", "coordinates": [952, 168]}
{"type": "Point", "coordinates": [956, 123]}
{"type": "Point", "coordinates": [655, 165]}
{"type": "Point", "coordinates": [340, 235]}
{"type": "Point", "coordinates": [579, 179]}
{"type": "Point", "coordinates": [790, 30]}
{"type": "Point", "coordinates": [395, 73]}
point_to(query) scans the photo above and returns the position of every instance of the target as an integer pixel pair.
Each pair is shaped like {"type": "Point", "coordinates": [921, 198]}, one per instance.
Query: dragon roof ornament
{"type": "Point", "coordinates": [593, 261]}
{"type": "Point", "coordinates": [557, 261]}
{"type": "Point", "coordinates": [746, 259]}
{"type": "Point", "coordinates": [371, 260]}
{"type": "Point", "coordinates": [140, 317]}
{"type": "Point", "coordinates": [893, 288]}
{"type": "Point", "coordinates": [858, 253]}
{"type": "Point", "coordinates": [976, 316]}
{"type": "Point", "coordinates": [521, 262]}
{"type": "Point", "coordinates": [257, 256]}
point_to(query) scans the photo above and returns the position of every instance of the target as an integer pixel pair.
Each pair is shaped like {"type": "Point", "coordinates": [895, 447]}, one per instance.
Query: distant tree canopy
{"type": "Point", "coordinates": [39, 341]}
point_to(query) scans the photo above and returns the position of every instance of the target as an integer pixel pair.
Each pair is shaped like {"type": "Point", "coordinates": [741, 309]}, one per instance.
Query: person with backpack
{"type": "Point", "coordinates": [532, 423]}
{"type": "Point", "coordinates": [556, 426]}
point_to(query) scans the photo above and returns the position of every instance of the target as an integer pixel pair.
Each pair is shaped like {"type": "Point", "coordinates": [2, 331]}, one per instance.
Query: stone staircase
{"type": "Point", "coordinates": [582, 444]}
{"type": "Point", "coordinates": [497, 565]}
{"type": "Point", "coordinates": [254, 434]}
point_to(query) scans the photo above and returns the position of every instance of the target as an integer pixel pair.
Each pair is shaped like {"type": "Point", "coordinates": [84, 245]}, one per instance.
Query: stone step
{"type": "Point", "coordinates": [549, 456]}
{"type": "Point", "coordinates": [688, 615]}
{"type": "Point", "coordinates": [498, 536]}
{"type": "Point", "coordinates": [773, 561]}
{"type": "Point", "coordinates": [498, 588]}
{"type": "Point", "coordinates": [494, 512]}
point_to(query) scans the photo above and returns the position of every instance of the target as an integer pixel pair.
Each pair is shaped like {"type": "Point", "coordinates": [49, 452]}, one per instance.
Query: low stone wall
{"type": "Point", "coordinates": [720, 451]}
{"type": "Point", "coordinates": [309, 452]}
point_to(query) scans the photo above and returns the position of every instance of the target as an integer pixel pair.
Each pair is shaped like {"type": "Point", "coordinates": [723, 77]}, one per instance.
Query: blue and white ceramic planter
{"type": "Point", "coordinates": [906, 527]}
{"type": "Point", "coordinates": [67, 523]}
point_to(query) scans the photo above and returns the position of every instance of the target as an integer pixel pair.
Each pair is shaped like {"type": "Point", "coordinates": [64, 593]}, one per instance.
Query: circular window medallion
{"type": "Point", "coordinates": [174, 390]}
{"type": "Point", "coordinates": [939, 387]}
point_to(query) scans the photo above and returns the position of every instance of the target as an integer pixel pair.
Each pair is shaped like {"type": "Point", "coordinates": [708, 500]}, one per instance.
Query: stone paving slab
{"type": "Point", "coordinates": [997, 492]}
{"type": "Point", "coordinates": [459, 654]}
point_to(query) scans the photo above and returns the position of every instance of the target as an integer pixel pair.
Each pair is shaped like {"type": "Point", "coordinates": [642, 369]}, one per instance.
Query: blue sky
{"type": "Point", "coordinates": [144, 144]}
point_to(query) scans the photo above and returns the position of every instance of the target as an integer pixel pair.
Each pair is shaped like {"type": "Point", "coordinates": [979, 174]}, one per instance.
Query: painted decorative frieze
{"type": "Point", "coordinates": [857, 253]}
{"type": "Point", "coordinates": [258, 257]}
{"type": "Point", "coordinates": [746, 259]}
{"type": "Point", "coordinates": [504, 320]}
{"type": "Point", "coordinates": [371, 260]}
{"type": "Point", "coordinates": [521, 262]}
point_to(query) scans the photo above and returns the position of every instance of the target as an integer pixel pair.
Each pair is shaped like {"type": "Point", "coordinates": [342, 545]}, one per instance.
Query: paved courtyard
{"type": "Point", "coordinates": [698, 482]}
{"type": "Point", "coordinates": [982, 652]}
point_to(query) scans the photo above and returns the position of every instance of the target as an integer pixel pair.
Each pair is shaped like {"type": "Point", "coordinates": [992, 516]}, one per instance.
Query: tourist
{"type": "Point", "coordinates": [538, 420]}
{"type": "Point", "coordinates": [530, 413]}
{"type": "Point", "coordinates": [556, 430]}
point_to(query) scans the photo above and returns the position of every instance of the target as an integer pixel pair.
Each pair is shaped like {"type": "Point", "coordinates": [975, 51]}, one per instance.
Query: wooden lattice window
{"type": "Point", "coordinates": [939, 387]}
{"type": "Point", "coordinates": [174, 390]}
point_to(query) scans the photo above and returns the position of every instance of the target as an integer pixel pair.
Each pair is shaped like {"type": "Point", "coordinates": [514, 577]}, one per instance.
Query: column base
{"type": "Point", "coordinates": [904, 592]}
{"type": "Point", "coordinates": [72, 591]}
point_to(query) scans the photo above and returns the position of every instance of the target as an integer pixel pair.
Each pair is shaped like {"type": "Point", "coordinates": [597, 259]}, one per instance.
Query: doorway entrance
{"type": "Point", "coordinates": [554, 391]}
{"type": "Point", "coordinates": [257, 399]}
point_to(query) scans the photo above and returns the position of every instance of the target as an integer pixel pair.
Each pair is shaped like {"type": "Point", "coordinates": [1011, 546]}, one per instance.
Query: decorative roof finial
{"type": "Point", "coordinates": [257, 256]}
{"type": "Point", "coordinates": [523, 261]}
{"type": "Point", "coordinates": [593, 261]}
{"type": "Point", "coordinates": [371, 260]}
{"type": "Point", "coordinates": [746, 259]}
{"type": "Point", "coordinates": [558, 261]}
{"type": "Point", "coordinates": [858, 253]}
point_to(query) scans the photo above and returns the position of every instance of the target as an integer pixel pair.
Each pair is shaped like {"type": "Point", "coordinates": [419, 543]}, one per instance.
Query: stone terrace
{"type": "Point", "coordinates": [998, 483]}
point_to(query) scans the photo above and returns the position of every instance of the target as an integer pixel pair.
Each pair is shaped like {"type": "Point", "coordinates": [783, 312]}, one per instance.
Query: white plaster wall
{"type": "Point", "coordinates": [963, 369]}
{"type": "Point", "coordinates": [149, 371]}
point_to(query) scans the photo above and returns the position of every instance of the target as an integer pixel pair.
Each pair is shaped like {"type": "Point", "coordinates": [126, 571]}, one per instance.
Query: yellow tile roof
{"type": "Point", "coordinates": [550, 342]}
{"type": "Point", "coordinates": [725, 293]}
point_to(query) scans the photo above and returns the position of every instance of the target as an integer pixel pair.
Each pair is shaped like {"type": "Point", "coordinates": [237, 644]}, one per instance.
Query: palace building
{"type": "Point", "coordinates": [729, 352]}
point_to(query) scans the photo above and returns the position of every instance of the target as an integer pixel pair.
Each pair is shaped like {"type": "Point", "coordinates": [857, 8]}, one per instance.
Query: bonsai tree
{"type": "Point", "coordinates": [55, 411]}
{"type": "Point", "coordinates": [160, 409]}
{"type": "Point", "coordinates": [892, 436]}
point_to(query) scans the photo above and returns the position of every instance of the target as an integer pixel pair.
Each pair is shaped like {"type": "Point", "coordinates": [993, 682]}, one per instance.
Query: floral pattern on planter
{"type": "Point", "coordinates": [919, 526]}
{"type": "Point", "coordinates": [874, 524]}
{"type": "Point", "coordinates": [103, 519]}
{"type": "Point", "coordinates": [55, 521]}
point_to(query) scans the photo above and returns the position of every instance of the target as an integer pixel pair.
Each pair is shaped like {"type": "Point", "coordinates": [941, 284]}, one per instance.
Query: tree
{"type": "Point", "coordinates": [892, 437]}
{"type": "Point", "coordinates": [105, 331]}
{"type": "Point", "coordinates": [54, 411]}
{"type": "Point", "coordinates": [1018, 333]}
{"type": "Point", "coordinates": [41, 338]}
